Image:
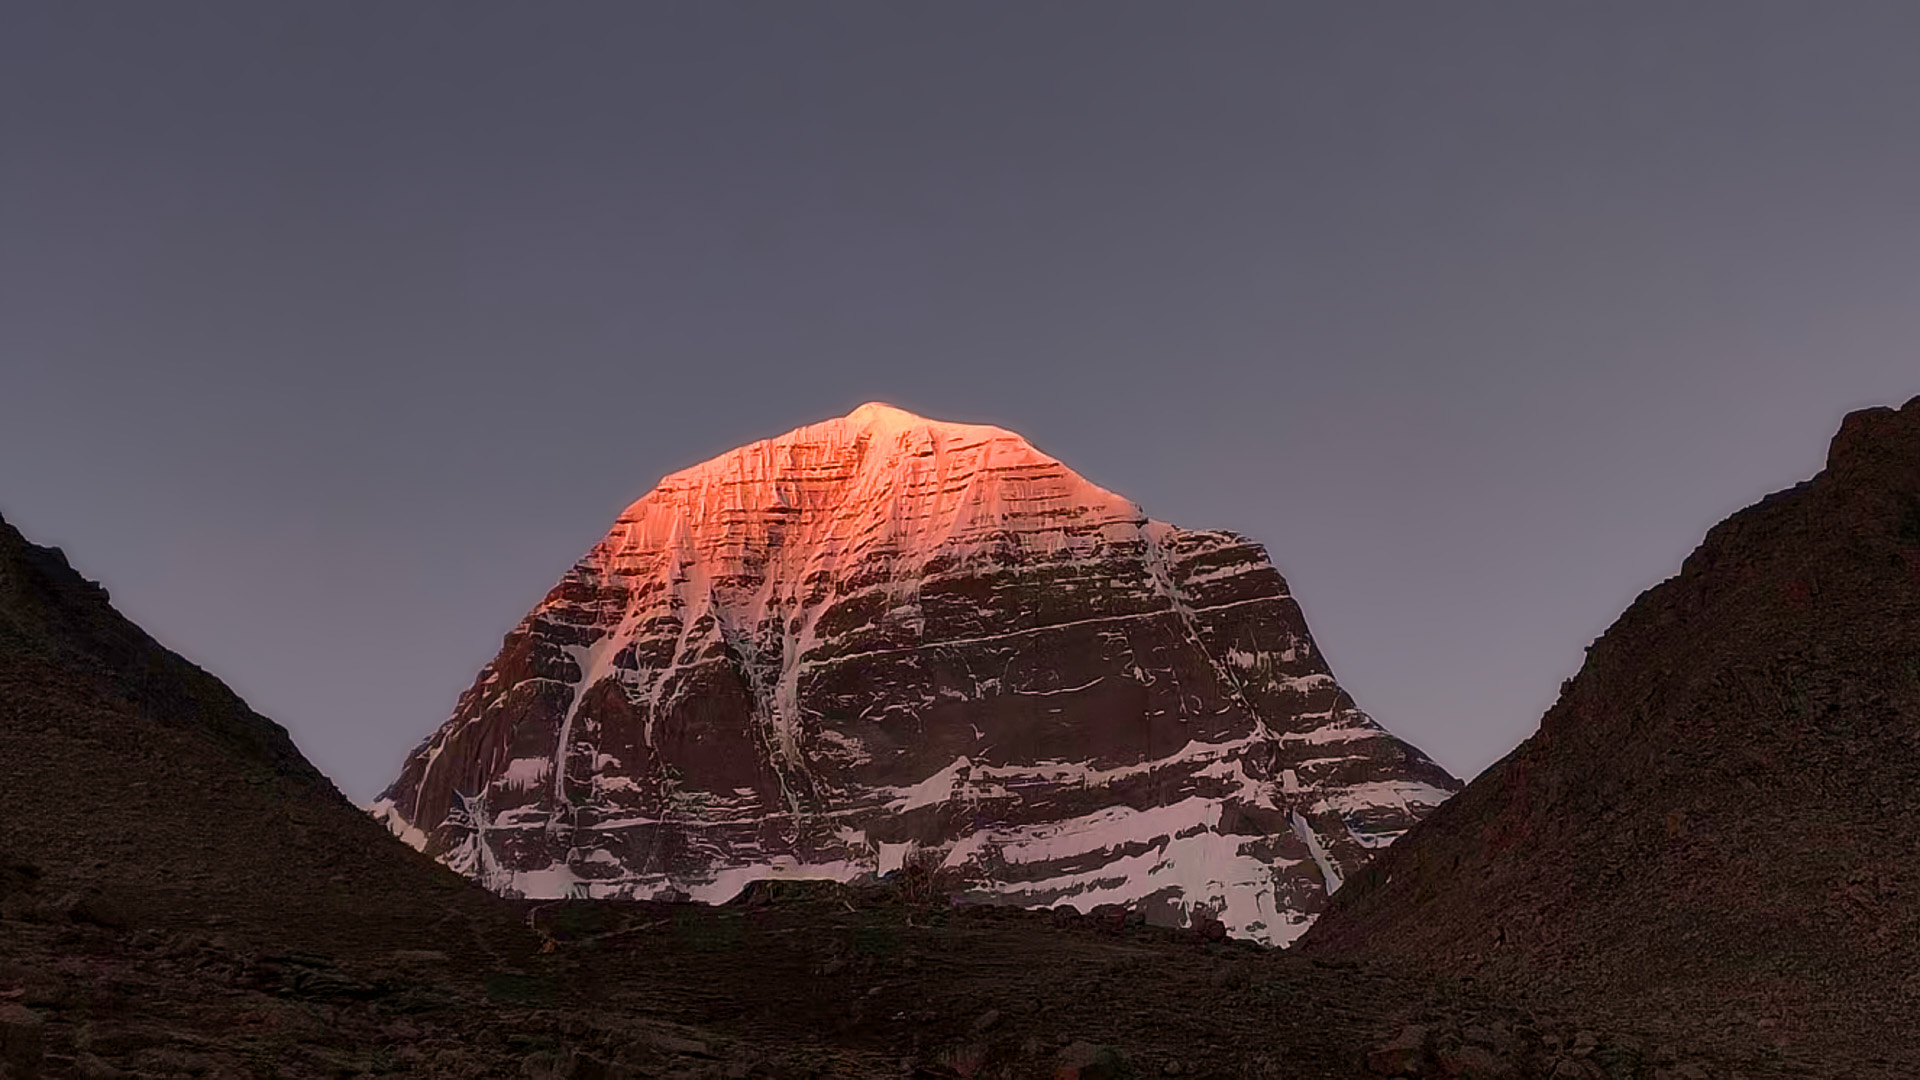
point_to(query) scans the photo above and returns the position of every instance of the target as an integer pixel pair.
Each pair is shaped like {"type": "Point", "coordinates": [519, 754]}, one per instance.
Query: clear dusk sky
{"type": "Point", "coordinates": [332, 333]}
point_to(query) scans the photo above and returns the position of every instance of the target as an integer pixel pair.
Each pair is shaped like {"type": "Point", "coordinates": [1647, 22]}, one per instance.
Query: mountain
{"type": "Point", "coordinates": [127, 769]}
{"type": "Point", "coordinates": [182, 893]}
{"type": "Point", "coordinates": [1715, 826]}
{"type": "Point", "coordinates": [885, 642]}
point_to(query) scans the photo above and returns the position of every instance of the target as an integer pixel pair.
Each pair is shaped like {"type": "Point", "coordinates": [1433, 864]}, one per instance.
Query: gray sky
{"type": "Point", "coordinates": [332, 333]}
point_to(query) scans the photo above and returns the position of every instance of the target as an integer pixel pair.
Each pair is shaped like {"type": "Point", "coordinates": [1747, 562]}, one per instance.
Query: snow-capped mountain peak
{"type": "Point", "coordinates": [883, 634]}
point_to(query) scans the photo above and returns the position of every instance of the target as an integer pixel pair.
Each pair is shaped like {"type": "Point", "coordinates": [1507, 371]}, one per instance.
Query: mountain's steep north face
{"type": "Point", "coordinates": [882, 639]}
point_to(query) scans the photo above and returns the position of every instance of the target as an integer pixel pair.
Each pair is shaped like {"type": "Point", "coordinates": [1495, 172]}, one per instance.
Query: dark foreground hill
{"type": "Point", "coordinates": [125, 769]}
{"type": "Point", "coordinates": [1717, 827]}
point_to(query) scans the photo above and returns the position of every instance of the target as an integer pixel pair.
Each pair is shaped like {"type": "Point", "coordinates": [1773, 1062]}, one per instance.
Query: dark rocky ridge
{"type": "Point", "coordinates": [123, 767]}
{"type": "Point", "coordinates": [884, 637]}
{"type": "Point", "coordinates": [54, 620]}
{"type": "Point", "coordinates": [1716, 826]}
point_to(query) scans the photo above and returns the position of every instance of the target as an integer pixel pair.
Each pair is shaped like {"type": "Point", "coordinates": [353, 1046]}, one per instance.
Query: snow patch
{"type": "Point", "coordinates": [523, 773]}
{"type": "Point", "coordinates": [1319, 851]}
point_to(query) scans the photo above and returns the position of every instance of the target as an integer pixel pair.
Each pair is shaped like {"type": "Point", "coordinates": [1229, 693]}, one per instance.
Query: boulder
{"type": "Point", "coordinates": [22, 1041]}
{"type": "Point", "coordinates": [1405, 1055]}
{"type": "Point", "coordinates": [1080, 1060]}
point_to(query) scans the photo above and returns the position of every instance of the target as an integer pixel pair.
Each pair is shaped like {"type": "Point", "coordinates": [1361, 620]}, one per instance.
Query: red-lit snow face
{"type": "Point", "coordinates": [883, 635]}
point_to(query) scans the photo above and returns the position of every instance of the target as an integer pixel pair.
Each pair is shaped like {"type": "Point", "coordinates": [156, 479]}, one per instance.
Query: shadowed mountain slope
{"type": "Point", "coordinates": [1717, 825]}
{"type": "Point", "coordinates": [125, 768]}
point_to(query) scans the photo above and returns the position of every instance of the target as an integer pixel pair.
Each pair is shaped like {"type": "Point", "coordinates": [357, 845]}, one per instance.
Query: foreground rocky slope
{"type": "Point", "coordinates": [1716, 825]}
{"type": "Point", "coordinates": [884, 638]}
{"type": "Point", "coordinates": [127, 769]}
{"type": "Point", "coordinates": [181, 892]}
{"type": "Point", "coordinates": [848, 983]}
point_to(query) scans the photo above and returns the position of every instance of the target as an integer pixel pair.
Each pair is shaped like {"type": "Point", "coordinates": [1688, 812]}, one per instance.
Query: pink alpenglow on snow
{"type": "Point", "coordinates": [884, 637]}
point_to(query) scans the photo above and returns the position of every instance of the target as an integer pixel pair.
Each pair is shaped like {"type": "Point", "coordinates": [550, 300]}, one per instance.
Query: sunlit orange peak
{"type": "Point", "coordinates": [879, 412]}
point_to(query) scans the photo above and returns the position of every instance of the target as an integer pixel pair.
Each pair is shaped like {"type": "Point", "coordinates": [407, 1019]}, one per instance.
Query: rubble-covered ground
{"type": "Point", "coordinates": [792, 982]}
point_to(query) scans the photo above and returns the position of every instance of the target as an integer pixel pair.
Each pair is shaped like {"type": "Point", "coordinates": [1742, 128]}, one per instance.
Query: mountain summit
{"type": "Point", "coordinates": [884, 640]}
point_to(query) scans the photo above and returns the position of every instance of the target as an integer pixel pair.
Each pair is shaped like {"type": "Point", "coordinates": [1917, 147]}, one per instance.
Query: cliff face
{"type": "Point", "coordinates": [883, 638]}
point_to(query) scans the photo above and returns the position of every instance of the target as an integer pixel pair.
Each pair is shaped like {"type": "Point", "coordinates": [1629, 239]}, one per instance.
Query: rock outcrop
{"type": "Point", "coordinates": [883, 641]}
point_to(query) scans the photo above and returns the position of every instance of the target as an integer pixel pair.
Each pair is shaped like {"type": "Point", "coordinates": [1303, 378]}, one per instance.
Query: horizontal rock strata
{"type": "Point", "coordinates": [884, 641]}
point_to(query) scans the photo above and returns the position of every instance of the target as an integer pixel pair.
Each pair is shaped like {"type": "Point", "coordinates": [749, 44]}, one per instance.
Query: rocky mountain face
{"type": "Point", "coordinates": [1715, 827]}
{"type": "Point", "coordinates": [885, 642]}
